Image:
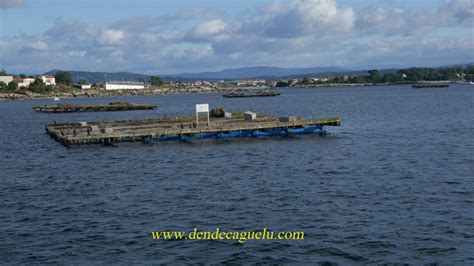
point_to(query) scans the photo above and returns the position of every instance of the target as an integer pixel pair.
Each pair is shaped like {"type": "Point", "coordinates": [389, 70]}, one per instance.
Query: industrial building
{"type": "Point", "coordinates": [126, 85]}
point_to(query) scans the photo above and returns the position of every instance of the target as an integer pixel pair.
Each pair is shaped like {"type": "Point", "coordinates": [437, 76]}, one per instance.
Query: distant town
{"type": "Point", "coordinates": [61, 84]}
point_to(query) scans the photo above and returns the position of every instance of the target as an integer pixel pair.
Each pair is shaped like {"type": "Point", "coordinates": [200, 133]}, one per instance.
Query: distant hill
{"type": "Point", "coordinates": [458, 65]}
{"type": "Point", "coordinates": [99, 77]}
{"type": "Point", "coordinates": [256, 72]}
{"type": "Point", "coordinates": [226, 74]}
{"type": "Point", "coordinates": [264, 72]}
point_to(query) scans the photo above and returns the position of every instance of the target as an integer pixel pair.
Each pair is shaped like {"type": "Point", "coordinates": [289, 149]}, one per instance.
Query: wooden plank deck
{"type": "Point", "coordinates": [118, 131]}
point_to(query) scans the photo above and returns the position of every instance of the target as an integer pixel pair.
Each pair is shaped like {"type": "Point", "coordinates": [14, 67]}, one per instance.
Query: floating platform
{"type": "Point", "coordinates": [428, 85]}
{"type": "Point", "coordinates": [258, 94]}
{"type": "Point", "coordinates": [113, 106]}
{"type": "Point", "coordinates": [185, 129]}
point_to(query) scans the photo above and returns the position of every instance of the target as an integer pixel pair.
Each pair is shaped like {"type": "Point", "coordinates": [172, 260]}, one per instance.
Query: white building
{"type": "Point", "coordinates": [24, 83]}
{"type": "Point", "coordinates": [48, 80]}
{"type": "Point", "coordinates": [6, 79]}
{"type": "Point", "coordinates": [86, 86]}
{"type": "Point", "coordinates": [128, 85]}
{"type": "Point", "coordinates": [83, 86]}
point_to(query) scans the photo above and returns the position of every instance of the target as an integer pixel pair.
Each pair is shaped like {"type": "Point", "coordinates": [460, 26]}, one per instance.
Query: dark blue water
{"type": "Point", "coordinates": [394, 184]}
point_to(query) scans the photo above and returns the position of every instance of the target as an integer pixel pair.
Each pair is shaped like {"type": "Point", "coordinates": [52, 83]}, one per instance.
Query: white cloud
{"type": "Point", "coordinates": [110, 37]}
{"type": "Point", "coordinates": [209, 28]}
{"type": "Point", "coordinates": [212, 31]}
{"type": "Point", "coordinates": [77, 53]}
{"type": "Point", "coordinates": [36, 46]}
{"type": "Point", "coordinates": [303, 17]}
{"type": "Point", "coordinates": [320, 13]}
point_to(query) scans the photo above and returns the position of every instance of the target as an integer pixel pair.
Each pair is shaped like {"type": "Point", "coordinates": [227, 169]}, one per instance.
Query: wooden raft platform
{"type": "Point", "coordinates": [430, 85]}
{"type": "Point", "coordinates": [113, 106]}
{"type": "Point", "coordinates": [258, 94]}
{"type": "Point", "coordinates": [182, 128]}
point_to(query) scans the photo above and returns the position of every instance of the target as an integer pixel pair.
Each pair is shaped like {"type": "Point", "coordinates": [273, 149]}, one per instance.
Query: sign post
{"type": "Point", "coordinates": [202, 108]}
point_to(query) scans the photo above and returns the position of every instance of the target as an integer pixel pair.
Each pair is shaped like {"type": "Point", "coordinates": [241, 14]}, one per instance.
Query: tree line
{"type": "Point", "coordinates": [413, 74]}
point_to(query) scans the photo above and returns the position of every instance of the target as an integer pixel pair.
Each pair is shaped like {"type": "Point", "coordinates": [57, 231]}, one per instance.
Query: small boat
{"type": "Point", "coordinates": [258, 94]}
{"type": "Point", "coordinates": [56, 99]}
{"type": "Point", "coordinates": [430, 85]}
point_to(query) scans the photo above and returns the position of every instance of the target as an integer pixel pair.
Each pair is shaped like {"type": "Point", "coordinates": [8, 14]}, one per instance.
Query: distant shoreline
{"type": "Point", "coordinates": [102, 93]}
{"type": "Point", "coordinates": [190, 90]}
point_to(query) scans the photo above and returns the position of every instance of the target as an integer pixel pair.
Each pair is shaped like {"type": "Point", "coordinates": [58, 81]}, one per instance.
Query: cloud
{"type": "Point", "coordinates": [318, 14]}
{"type": "Point", "coordinates": [396, 21]}
{"type": "Point", "coordinates": [413, 51]}
{"type": "Point", "coordinates": [209, 28]}
{"type": "Point", "coordinates": [110, 37]}
{"type": "Point", "coordinates": [292, 33]}
{"type": "Point", "coordinates": [157, 23]}
{"type": "Point", "coordinates": [211, 31]}
{"type": "Point", "coordinates": [37, 46]}
{"type": "Point", "coordinates": [399, 21]}
{"type": "Point", "coordinates": [458, 11]}
{"type": "Point", "coordinates": [72, 31]}
{"type": "Point", "coordinates": [4, 4]}
{"type": "Point", "coordinates": [190, 54]}
{"type": "Point", "coordinates": [301, 17]}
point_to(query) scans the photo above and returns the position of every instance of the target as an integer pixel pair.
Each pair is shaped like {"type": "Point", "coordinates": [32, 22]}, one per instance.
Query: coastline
{"type": "Point", "coordinates": [9, 96]}
{"type": "Point", "coordinates": [93, 93]}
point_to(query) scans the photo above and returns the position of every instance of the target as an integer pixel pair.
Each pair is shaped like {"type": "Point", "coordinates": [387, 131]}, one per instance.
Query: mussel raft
{"type": "Point", "coordinates": [113, 106]}
{"type": "Point", "coordinates": [186, 129]}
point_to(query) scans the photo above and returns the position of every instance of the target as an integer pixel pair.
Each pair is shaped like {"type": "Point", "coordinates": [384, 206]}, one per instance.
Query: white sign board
{"type": "Point", "coordinates": [202, 108]}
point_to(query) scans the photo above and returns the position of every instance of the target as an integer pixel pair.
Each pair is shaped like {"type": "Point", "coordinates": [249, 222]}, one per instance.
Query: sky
{"type": "Point", "coordinates": [167, 37]}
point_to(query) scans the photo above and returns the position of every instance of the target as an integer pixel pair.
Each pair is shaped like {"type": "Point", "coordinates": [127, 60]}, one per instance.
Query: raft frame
{"type": "Point", "coordinates": [182, 129]}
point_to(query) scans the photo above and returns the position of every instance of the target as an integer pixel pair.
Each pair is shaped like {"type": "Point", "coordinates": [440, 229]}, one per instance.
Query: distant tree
{"type": "Point", "coordinates": [358, 79]}
{"type": "Point", "coordinates": [3, 72]}
{"type": "Point", "coordinates": [306, 81]}
{"type": "Point", "coordinates": [374, 76]}
{"type": "Point", "coordinates": [82, 82]}
{"type": "Point", "coordinates": [282, 83]}
{"type": "Point", "coordinates": [13, 85]}
{"type": "Point", "coordinates": [413, 74]}
{"type": "Point", "coordinates": [22, 76]}
{"type": "Point", "coordinates": [391, 77]}
{"type": "Point", "coordinates": [156, 81]}
{"type": "Point", "coordinates": [3, 86]}
{"type": "Point", "coordinates": [450, 73]}
{"type": "Point", "coordinates": [470, 69]}
{"type": "Point", "coordinates": [38, 86]}
{"type": "Point", "coordinates": [469, 73]}
{"type": "Point", "coordinates": [63, 78]}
